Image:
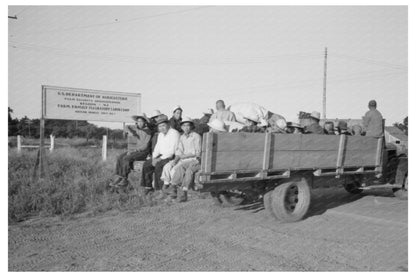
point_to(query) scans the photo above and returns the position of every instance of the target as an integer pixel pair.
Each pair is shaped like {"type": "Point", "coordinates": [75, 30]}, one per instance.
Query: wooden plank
{"type": "Point", "coordinates": [209, 151]}
{"type": "Point", "coordinates": [266, 153]}
{"type": "Point", "coordinates": [231, 142]}
{"type": "Point", "coordinates": [203, 151]}
{"type": "Point", "coordinates": [341, 150]}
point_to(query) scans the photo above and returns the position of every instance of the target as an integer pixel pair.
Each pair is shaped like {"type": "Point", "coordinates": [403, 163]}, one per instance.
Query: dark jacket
{"type": "Point", "coordinates": [314, 128]}
{"type": "Point", "coordinates": [176, 124]}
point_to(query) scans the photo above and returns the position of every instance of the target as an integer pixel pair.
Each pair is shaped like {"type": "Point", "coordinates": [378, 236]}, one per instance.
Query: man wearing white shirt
{"type": "Point", "coordinates": [164, 152]}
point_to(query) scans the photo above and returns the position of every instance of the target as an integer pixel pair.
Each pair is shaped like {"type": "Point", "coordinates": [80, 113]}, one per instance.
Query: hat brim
{"type": "Point", "coordinates": [163, 121]}
{"type": "Point", "coordinates": [187, 121]}
{"type": "Point", "coordinates": [136, 117]}
{"type": "Point", "coordinates": [256, 121]}
{"type": "Point", "coordinates": [314, 117]}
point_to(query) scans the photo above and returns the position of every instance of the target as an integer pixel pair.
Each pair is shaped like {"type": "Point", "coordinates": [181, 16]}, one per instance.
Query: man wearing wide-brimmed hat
{"type": "Point", "coordinates": [175, 120]}
{"type": "Point", "coordinates": [164, 152]}
{"type": "Point", "coordinates": [138, 148]}
{"type": "Point", "coordinates": [314, 127]}
{"type": "Point", "coordinates": [179, 172]}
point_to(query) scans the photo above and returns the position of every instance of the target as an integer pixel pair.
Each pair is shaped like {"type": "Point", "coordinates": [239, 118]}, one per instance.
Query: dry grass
{"type": "Point", "coordinates": [77, 182]}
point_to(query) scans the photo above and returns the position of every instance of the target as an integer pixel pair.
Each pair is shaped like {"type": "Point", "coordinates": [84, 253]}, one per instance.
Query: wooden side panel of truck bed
{"type": "Point", "coordinates": [227, 152]}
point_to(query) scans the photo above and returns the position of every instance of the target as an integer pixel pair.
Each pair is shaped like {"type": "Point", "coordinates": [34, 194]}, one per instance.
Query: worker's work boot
{"type": "Point", "coordinates": [184, 196]}
{"type": "Point", "coordinates": [165, 188]}
{"type": "Point", "coordinates": [148, 191]}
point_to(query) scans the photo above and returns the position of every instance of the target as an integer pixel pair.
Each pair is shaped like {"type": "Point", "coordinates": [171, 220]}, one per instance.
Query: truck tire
{"type": "Point", "coordinates": [267, 203]}
{"type": "Point", "coordinates": [290, 201]}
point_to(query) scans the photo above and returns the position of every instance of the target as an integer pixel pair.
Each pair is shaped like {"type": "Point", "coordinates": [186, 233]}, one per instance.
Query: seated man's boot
{"type": "Point", "coordinates": [184, 196]}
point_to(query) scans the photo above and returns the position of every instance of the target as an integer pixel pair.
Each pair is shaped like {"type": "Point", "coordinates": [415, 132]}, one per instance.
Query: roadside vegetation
{"type": "Point", "coordinates": [76, 182]}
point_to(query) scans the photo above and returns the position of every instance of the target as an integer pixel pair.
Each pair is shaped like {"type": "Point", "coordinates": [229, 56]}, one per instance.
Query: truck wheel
{"type": "Point", "coordinates": [290, 201]}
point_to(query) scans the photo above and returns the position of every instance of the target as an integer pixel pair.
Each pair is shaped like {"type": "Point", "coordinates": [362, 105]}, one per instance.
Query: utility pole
{"type": "Point", "coordinates": [324, 92]}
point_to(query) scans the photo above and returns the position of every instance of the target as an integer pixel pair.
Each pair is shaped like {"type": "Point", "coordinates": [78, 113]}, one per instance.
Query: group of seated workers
{"type": "Point", "coordinates": [171, 148]}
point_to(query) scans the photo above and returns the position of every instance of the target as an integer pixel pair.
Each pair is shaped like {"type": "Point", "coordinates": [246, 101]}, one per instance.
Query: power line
{"type": "Point", "coordinates": [116, 21]}
{"type": "Point", "coordinates": [370, 61]}
{"type": "Point", "coordinates": [147, 60]}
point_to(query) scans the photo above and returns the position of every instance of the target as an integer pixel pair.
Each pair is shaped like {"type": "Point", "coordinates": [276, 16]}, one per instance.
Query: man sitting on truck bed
{"type": "Point", "coordinates": [314, 127]}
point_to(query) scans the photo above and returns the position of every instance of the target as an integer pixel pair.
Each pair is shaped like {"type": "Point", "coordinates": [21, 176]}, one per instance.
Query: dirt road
{"type": "Point", "coordinates": [342, 233]}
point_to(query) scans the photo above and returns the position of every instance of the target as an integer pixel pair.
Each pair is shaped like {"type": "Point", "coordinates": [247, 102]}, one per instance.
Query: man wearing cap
{"type": "Point", "coordinates": [314, 127]}
{"type": "Point", "coordinates": [373, 121]}
{"type": "Point", "coordinates": [175, 120]}
{"type": "Point", "coordinates": [180, 171]}
{"type": "Point", "coordinates": [138, 148]}
{"type": "Point", "coordinates": [343, 128]}
{"type": "Point", "coordinates": [252, 125]}
{"type": "Point", "coordinates": [222, 113]}
{"type": "Point", "coordinates": [164, 152]}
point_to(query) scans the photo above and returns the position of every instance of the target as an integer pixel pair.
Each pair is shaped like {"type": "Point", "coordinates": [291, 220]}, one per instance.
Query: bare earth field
{"type": "Point", "coordinates": [342, 232]}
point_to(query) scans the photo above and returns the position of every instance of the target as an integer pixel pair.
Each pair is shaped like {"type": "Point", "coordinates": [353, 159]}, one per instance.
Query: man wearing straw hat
{"type": "Point", "coordinates": [180, 171]}
{"type": "Point", "coordinates": [164, 152]}
{"type": "Point", "coordinates": [138, 148]}
{"type": "Point", "coordinates": [152, 125]}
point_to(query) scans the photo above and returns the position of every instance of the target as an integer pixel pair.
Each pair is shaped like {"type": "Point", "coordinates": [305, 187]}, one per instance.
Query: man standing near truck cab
{"type": "Point", "coordinates": [373, 121]}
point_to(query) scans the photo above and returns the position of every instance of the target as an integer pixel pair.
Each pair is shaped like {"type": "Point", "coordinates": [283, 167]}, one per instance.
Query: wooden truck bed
{"type": "Point", "coordinates": [255, 156]}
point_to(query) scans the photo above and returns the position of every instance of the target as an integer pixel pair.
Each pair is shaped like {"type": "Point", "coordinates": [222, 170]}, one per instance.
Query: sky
{"type": "Point", "coordinates": [194, 55]}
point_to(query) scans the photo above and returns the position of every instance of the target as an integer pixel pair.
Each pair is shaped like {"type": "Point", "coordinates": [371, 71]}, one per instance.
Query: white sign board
{"type": "Point", "coordinates": [91, 105]}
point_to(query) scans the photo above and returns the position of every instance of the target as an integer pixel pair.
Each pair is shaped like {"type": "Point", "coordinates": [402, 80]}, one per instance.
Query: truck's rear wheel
{"type": "Point", "coordinates": [290, 201]}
